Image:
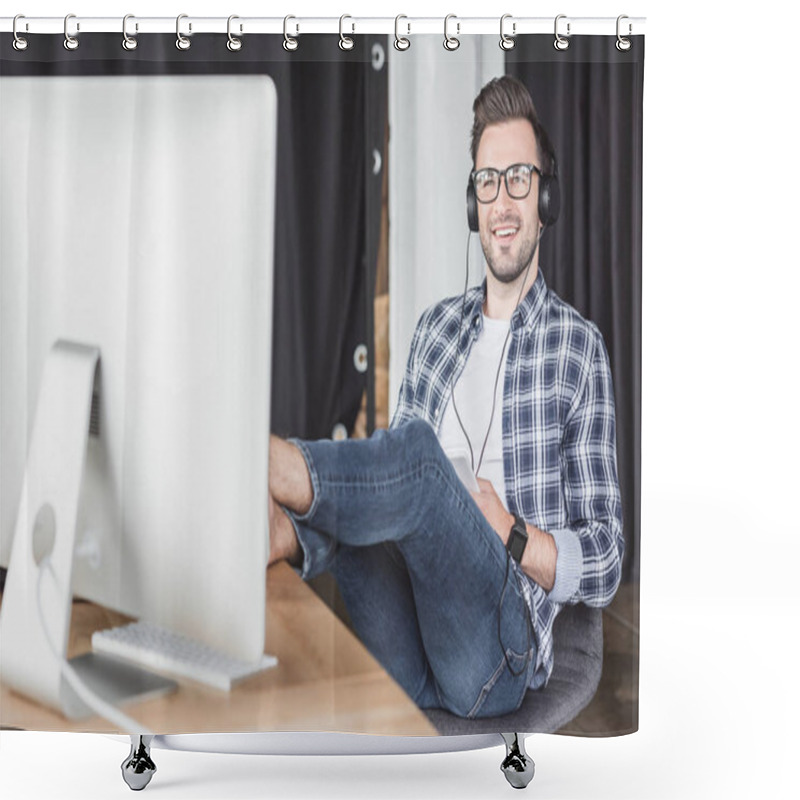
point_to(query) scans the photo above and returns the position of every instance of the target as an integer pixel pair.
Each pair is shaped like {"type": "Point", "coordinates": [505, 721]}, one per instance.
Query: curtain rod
{"type": "Point", "coordinates": [347, 25]}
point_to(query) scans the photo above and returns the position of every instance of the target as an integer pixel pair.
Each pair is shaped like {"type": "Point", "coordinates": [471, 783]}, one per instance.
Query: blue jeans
{"type": "Point", "coordinates": [426, 580]}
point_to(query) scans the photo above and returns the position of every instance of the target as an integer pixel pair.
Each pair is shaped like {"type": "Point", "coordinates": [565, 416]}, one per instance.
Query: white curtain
{"type": "Point", "coordinates": [431, 92]}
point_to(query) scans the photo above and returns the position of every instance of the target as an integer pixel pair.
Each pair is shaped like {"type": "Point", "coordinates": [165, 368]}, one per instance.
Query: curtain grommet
{"type": "Point", "coordinates": [561, 43]}
{"type": "Point", "coordinates": [289, 42]}
{"type": "Point", "coordinates": [623, 43]}
{"type": "Point", "coordinates": [361, 358]}
{"type": "Point", "coordinates": [182, 42]}
{"type": "Point", "coordinates": [401, 43]}
{"type": "Point", "coordinates": [507, 42]}
{"type": "Point", "coordinates": [70, 42]}
{"type": "Point", "coordinates": [234, 44]}
{"type": "Point", "coordinates": [129, 42]}
{"type": "Point", "coordinates": [20, 43]}
{"type": "Point", "coordinates": [346, 43]}
{"type": "Point", "coordinates": [451, 43]}
{"type": "Point", "coordinates": [378, 57]}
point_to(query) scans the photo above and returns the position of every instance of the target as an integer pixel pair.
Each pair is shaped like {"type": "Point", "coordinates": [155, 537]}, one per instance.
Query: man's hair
{"type": "Point", "coordinates": [504, 99]}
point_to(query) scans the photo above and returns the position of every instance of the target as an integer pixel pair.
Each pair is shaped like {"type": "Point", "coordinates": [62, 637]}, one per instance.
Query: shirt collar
{"type": "Point", "coordinates": [524, 316]}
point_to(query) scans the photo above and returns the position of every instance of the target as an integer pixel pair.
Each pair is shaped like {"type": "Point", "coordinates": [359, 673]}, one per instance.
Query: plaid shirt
{"type": "Point", "coordinates": [559, 438]}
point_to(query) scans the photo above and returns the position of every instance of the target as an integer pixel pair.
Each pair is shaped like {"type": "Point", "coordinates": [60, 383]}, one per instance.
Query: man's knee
{"type": "Point", "coordinates": [418, 440]}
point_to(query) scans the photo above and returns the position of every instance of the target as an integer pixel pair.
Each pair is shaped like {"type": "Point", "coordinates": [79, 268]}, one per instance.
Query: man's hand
{"type": "Point", "coordinates": [492, 508]}
{"type": "Point", "coordinates": [539, 558]}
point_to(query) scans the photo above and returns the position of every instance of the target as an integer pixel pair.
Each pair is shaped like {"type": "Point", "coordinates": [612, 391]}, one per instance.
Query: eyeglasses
{"type": "Point", "coordinates": [517, 178]}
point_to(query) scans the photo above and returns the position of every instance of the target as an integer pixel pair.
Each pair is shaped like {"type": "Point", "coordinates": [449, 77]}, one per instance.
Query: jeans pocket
{"type": "Point", "coordinates": [521, 666]}
{"type": "Point", "coordinates": [517, 662]}
{"type": "Point", "coordinates": [505, 690]}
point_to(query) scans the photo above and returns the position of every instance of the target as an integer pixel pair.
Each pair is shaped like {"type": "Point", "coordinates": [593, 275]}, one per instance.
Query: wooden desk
{"type": "Point", "coordinates": [325, 680]}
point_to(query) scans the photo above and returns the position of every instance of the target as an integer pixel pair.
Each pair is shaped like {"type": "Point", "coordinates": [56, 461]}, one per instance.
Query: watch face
{"type": "Point", "coordinates": [517, 540]}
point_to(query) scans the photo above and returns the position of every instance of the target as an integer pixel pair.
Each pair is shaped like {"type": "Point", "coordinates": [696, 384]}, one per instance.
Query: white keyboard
{"type": "Point", "coordinates": [162, 650]}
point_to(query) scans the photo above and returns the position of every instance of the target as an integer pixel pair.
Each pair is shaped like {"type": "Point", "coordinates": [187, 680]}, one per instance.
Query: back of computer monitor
{"type": "Point", "coordinates": [137, 216]}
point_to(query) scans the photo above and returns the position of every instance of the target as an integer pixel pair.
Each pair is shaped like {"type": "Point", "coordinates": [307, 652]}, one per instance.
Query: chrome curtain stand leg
{"type": "Point", "coordinates": [138, 768]}
{"type": "Point", "coordinates": [518, 766]}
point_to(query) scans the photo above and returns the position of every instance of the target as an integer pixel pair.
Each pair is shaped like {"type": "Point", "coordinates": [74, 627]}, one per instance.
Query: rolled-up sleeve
{"type": "Point", "coordinates": [590, 548]}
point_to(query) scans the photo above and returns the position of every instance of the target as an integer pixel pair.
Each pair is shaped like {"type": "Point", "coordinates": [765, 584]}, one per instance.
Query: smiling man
{"type": "Point", "coordinates": [509, 220]}
{"type": "Point", "coordinates": [455, 589]}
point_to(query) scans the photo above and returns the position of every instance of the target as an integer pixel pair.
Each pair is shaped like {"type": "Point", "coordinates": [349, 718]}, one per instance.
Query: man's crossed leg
{"type": "Point", "coordinates": [426, 580]}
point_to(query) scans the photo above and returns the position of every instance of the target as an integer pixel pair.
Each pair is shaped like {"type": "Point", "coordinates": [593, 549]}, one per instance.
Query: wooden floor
{"type": "Point", "coordinates": [615, 707]}
{"type": "Point", "coordinates": [325, 680]}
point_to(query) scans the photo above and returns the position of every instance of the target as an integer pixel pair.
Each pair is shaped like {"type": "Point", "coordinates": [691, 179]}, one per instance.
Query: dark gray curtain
{"type": "Point", "coordinates": [331, 119]}
{"type": "Point", "coordinates": [589, 99]}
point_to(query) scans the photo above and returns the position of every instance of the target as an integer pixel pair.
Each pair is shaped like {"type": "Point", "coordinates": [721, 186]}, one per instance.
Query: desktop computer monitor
{"type": "Point", "coordinates": [137, 221]}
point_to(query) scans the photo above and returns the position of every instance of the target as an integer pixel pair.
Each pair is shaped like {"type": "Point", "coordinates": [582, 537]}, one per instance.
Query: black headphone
{"type": "Point", "coordinates": [549, 190]}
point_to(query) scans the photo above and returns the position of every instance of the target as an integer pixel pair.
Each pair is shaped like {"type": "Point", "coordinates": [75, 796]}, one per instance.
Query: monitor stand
{"type": "Point", "coordinates": [30, 658]}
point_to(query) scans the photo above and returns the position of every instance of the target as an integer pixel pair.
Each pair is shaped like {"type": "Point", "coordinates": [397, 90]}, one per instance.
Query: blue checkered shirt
{"type": "Point", "coordinates": [559, 438]}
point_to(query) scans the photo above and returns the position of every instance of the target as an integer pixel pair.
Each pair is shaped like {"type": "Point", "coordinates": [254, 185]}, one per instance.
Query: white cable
{"type": "Point", "coordinates": [103, 709]}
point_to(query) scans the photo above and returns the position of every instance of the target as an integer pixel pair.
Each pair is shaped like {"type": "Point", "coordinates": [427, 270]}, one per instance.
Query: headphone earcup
{"type": "Point", "coordinates": [549, 200]}
{"type": "Point", "coordinates": [472, 207]}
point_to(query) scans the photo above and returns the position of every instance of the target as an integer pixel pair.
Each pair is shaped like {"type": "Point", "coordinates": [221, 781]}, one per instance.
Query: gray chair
{"type": "Point", "coordinates": [577, 665]}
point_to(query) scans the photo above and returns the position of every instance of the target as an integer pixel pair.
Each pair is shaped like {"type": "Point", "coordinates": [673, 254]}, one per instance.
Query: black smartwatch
{"type": "Point", "coordinates": [517, 539]}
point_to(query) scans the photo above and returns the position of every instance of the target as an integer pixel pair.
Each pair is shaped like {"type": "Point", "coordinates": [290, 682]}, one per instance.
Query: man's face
{"type": "Point", "coordinates": [509, 228]}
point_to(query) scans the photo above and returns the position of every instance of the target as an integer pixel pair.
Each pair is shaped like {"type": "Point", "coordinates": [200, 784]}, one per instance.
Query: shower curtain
{"type": "Point", "coordinates": [372, 159]}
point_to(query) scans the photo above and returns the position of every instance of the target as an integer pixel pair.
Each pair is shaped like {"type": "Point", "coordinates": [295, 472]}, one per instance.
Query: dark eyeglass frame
{"type": "Point", "coordinates": [503, 173]}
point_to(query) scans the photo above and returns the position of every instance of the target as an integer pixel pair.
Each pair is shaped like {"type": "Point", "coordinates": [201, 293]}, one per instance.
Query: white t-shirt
{"type": "Point", "coordinates": [473, 395]}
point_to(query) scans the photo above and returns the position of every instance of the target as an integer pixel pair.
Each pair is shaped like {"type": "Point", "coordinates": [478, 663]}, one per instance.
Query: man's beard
{"type": "Point", "coordinates": [512, 271]}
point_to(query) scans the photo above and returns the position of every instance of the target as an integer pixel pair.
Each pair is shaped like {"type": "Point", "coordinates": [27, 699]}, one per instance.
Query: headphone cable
{"type": "Point", "coordinates": [528, 620]}
{"type": "Point", "coordinates": [475, 469]}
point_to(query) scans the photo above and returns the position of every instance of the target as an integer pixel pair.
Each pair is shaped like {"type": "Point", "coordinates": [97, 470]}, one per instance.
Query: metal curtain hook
{"type": "Point", "coordinates": [623, 43]}
{"type": "Point", "coordinates": [234, 44]}
{"type": "Point", "coordinates": [345, 42]}
{"type": "Point", "coordinates": [182, 43]}
{"type": "Point", "coordinates": [400, 42]}
{"type": "Point", "coordinates": [128, 42]}
{"type": "Point", "coordinates": [289, 43]}
{"type": "Point", "coordinates": [560, 42]}
{"type": "Point", "coordinates": [19, 42]}
{"type": "Point", "coordinates": [70, 42]}
{"type": "Point", "coordinates": [451, 42]}
{"type": "Point", "coordinates": [507, 42]}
